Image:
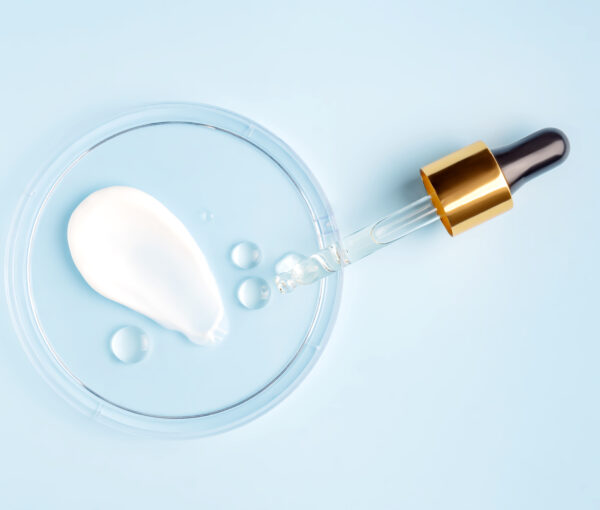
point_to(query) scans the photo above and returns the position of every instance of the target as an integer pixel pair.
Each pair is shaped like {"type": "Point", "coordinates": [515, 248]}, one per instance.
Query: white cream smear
{"type": "Point", "coordinates": [131, 249]}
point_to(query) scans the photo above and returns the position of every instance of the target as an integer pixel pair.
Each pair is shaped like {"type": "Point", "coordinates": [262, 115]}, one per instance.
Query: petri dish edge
{"type": "Point", "coordinates": [30, 331]}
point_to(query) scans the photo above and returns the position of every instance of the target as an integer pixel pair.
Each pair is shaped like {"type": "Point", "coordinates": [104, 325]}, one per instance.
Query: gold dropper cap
{"type": "Point", "coordinates": [467, 187]}
{"type": "Point", "coordinates": [474, 184]}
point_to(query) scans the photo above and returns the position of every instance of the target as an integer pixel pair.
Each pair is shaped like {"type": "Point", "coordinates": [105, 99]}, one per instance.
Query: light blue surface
{"type": "Point", "coordinates": [462, 373]}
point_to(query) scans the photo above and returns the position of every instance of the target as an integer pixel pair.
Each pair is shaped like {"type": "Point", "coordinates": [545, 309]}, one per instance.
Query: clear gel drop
{"type": "Point", "coordinates": [245, 255]}
{"type": "Point", "coordinates": [254, 293]}
{"type": "Point", "coordinates": [130, 344]}
{"type": "Point", "coordinates": [287, 262]}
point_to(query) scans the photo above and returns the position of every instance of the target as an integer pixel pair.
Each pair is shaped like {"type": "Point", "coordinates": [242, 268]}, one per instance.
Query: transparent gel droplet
{"type": "Point", "coordinates": [287, 262]}
{"type": "Point", "coordinates": [206, 215]}
{"type": "Point", "coordinates": [130, 344]}
{"type": "Point", "coordinates": [245, 255]}
{"type": "Point", "coordinates": [254, 293]}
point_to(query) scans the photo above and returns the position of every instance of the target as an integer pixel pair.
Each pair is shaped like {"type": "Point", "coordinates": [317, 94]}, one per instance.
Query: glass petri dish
{"type": "Point", "coordinates": [228, 180]}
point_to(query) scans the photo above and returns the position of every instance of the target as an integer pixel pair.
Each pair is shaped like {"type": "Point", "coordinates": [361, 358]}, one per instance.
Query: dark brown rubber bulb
{"type": "Point", "coordinates": [532, 156]}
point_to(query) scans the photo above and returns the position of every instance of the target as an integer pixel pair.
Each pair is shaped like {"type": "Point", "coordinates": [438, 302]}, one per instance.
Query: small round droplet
{"type": "Point", "coordinates": [254, 293]}
{"type": "Point", "coordinates": [206, 216]}
{"type": "Point", "coordinates": [287, 262]}
{"type": "Point", "coordinates": [130, 344]}
{"type": "Point", "coordinates": [245, 255]}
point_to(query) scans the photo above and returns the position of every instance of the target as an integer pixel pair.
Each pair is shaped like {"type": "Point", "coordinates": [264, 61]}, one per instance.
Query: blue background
{"type": "Point", "coordinates": [462, 373]}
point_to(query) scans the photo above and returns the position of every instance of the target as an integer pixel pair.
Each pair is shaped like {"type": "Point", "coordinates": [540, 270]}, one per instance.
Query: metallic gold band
{"type": "Point", "coordinates": [467, 187]}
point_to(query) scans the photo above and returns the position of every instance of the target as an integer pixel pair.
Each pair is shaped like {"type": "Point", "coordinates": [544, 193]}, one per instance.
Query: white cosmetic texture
{"type": "Point", "coordinates": [131, 249]}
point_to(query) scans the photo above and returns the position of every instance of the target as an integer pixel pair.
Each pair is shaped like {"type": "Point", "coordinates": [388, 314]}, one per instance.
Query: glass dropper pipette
{"type": "Point", "coordinates": [359, 244]}
{"type": "Point", "coordinates": [463, 189]}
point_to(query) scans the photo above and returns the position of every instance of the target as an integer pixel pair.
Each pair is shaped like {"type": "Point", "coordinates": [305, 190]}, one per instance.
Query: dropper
{"type": "Point", "coordinates": [463, 189]}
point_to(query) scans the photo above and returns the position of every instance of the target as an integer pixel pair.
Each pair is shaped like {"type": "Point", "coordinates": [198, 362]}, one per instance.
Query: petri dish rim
{"type": "Point", "coordinates": [22, 304]}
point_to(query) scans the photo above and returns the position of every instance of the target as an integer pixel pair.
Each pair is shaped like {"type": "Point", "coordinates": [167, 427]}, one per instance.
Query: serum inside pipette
{"type": "Point", "coordinates": [358, 245]}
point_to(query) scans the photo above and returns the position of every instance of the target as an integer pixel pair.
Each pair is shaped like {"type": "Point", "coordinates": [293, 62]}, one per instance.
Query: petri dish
{"type": "Point", "coordinates": [229, 181]}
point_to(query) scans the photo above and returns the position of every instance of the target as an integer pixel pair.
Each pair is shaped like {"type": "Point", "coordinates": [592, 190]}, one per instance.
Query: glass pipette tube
{"type": "Point", "coordinates": [358, 245]}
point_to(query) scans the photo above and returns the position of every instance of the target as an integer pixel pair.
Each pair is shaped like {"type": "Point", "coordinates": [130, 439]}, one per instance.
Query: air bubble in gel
{"type": "Point", "coordinates": [206, 216]}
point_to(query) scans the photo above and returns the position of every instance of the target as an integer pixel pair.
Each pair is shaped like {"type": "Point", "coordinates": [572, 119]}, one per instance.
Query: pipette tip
{"type": "Point", "coordinates": [285, 283]}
